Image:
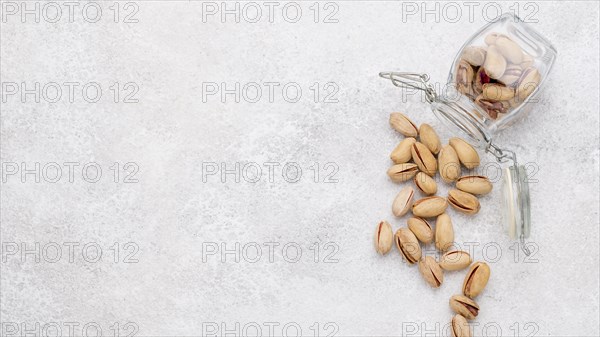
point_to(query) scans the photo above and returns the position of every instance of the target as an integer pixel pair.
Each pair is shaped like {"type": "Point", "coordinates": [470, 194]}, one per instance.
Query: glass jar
{"type": "Point", "coordinates": [501, 68]}
{"type": "Point", "coordinates": [494, 81]}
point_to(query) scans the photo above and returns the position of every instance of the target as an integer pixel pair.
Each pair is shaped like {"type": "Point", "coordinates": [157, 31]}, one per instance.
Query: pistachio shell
{"type": "Point", "coordinates": [401, 154]}
{"type": "Point", "coordinates": [383, 237]}
{"type": "Point", "coordinates": [403, 201]}
{"type": "Point", "coordinates": [492, 108]}
{"type": "Point", "coordinates": [481, 78]}
{"type": "Point", "coordinates": [464, 306]}
{"type": "Point", "coordinates": [474, 55]}
{"type": "Point", "coordinates": [429, 207]}
{"type": "Point", "coordinates": [476, 279]}
{"type": "Point", "coordinates": [509, 49]}
{"type": "Point", "coordinates": [512, 103]}
{"type": "Point", "coordinates": [421, 228]}
{"type": "Point", "coordinates": [527, 61]}
{"type": "Point", "coordinates": [403, 124]}
{"type": "Point", "coordinates": [466, 153]}
{"type": "Point", "coordinates": [430, 138]}
{"type": "Point", "coordinates": [424, 158]}
{"type": "Point", "coordinates": [444, 232]}
{"type": "Point", "coordinates": [449, 166]}
{"type": "Point", "coordinates": [463, 201]}
{"type": "Point", "coordinates": [497, 92]}
{"type": "Point", "coordinates": [431, 271]}
{"type": "Point", "coordinates": [491, 38]}
{"type": "Point", "coordinates": [460, 326]}
{"type": "Point", "coordinates": [495, 63]}
{"type": "Point", "coordinates": [465, 74]}
{"type": "Point", "coordinates": [530, 79]}
{"type": "Point", "coordinates": [408, 245]}
{"type": "Point", "coordinates": [425, 183]}
{"type": "Point", "coordinates": [511, 74]}
{"type": "Point", "coordinates": [474, 184]}
{"type": "Point", "coordinates": [455, 260]}
{"type": "Point", "coordinates": [402, 172]}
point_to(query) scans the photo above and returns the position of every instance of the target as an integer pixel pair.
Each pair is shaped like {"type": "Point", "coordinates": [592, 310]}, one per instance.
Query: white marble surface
{"type": "Point", "coordinates": [166, 219]}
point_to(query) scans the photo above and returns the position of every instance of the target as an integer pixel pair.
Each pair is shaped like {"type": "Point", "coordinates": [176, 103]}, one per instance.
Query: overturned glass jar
{"type": "Point", "coordinates": [494, 80]}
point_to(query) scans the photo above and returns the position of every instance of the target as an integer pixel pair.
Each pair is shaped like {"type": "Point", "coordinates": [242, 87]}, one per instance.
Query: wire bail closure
{"type": "Point", "coordinates": [412, 81]}
{"type": "Point", "coordinates": [502, 156]}
{"type": "Point", "coordinates": [419, 81]}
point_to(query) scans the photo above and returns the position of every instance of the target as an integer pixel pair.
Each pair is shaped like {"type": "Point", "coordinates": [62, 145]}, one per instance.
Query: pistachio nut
{"type": "Point", "coordinates": [495, 63]}
{"type": "Point", "coordinates": [425, 183]}
{"type": "Point", "coordinates": [481, 78]}
{"type": "Point", "coordinates": [401, 154]}
{"type": "Point", "coordinates": [466, 153]}
{"type": "Point", "coordinates": [493, 109]}
{"type": "Point", "coordinates": [491, 38]}
{"type": "Point", "coordinates": [431, 271]}
{"type": "Point", "coordinates": [448, 163]}
{"type": "Point", "coordinates": [460, 326]}
{"type": "Point", "coordinates": [527, 61]}
{"type": "Point", "coordinates": [421, 229]}
{"type": "Point", "coordinates": [464, 306]}
{"type": "Point", "coordinates": [455, 260]}
{"type": "Point", "coordinates": [444, 232]}
{"type": "Point", "coordinates": [474, 184]}
{"type": "Point", "coordinates": [402, 172]}
{"type": "Point", "coordinates": [403, 201]}
{"type": "Point", "coordinates": [509, 49]}
{"type": "Point", "coordinates": [463, 201]}
{"type": "Point", "coordinates": [429, 138]}
{"type": "Point", "coordinates": [408, 245]}
{"type": "Point", "coordinates": [530, 79]}
{"type": "Point", "coordinates": [476, 279]}
{"type": "Point", "coordinates": [383, 238]}
{"type": "Point", "coordinates": [424, 158]}
{"type": "Point", "coordinates": [429, 207]}
{"type": "Point", "coordinates": [403, 124]}
{"type": "Point", "coordinates": [497, 92]}
{"type": "Point", "coordinates": [513, 103]}
{"type": "Point", "coordinates": [464, 77]}
{"type": "Point", "coordinates": [511, 75]}
{"type": "Point", "coordinates": [474, 55]}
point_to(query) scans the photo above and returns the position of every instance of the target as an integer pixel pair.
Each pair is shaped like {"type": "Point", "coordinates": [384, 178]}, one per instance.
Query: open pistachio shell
{"type": "Point", "coordinates": [408, 245]}
{"type": "Point", "coordinates": [403, 201]}
{"type": "Point", "coordinates": [464, 306]}
{"type": "Point", "coordinates": [476, 279]}
{"type": "Point", "coordinates": [383, 237]}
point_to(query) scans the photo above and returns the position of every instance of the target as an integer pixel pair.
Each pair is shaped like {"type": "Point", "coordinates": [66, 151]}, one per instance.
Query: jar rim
{"type": "Point", "coordinates": [464, 116]}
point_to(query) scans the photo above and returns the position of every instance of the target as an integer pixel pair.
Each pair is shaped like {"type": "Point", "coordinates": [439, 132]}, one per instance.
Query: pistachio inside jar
{"type": "Point", "coordinates": [501, 69]}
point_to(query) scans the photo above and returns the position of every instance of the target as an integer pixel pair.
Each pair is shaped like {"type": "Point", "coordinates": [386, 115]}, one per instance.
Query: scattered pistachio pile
{"type": "Point", "coordinates": [422, 170]}
{"type": "Point", "coordinates": [498, 77]}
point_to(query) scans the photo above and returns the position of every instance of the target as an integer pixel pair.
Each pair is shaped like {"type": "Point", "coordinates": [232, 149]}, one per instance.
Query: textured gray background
{"type": "Point", "coordinates": [171, 212]}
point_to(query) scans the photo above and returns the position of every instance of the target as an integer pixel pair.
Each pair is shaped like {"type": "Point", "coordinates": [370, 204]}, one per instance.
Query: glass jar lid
{"type": "Point", "coordinates": [515, 197]}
